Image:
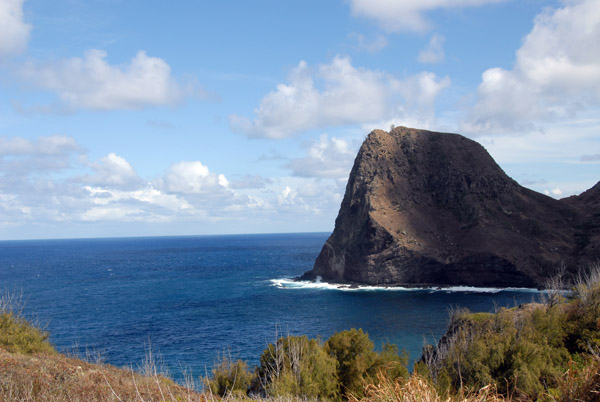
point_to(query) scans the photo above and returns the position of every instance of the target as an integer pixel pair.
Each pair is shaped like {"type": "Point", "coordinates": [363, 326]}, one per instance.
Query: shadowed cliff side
{"type": "Point", "coordinates": [425, 208]}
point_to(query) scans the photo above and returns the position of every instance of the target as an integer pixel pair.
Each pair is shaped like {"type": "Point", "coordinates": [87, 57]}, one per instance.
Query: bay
{"type": "Point", "coordinates": [192, 298]}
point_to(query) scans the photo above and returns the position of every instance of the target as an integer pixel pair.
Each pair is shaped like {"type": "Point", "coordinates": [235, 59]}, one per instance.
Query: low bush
{"type": "Point", "coordinates": [359, 363]}
{"type": "Point", "coordinates": [17, 335]}
{"type": "Point", "coordinates": [524, 351]}
{"type": "Point", "coordinates": [229, 378]}
{"type": "Point", "coordinates": [297, 366]}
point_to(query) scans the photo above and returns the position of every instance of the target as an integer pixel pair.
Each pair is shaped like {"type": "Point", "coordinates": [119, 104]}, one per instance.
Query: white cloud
{"type": "Point", "coordinates": [327, 158]}
{"type": "Point", "coordinates": [421, 90]}
{"type": "Point", "coordinates": [419, 94]}
{"type": "Point", "coordinates": [311, 197]}
{"type": "Point", "coordinates": [563, 141]}
{"type": "Point", "coordinates": [288, 196]}
{"type": "Point", "coordinates": [113, 171]}
{"type": "Point", "coordinates": [41, 182]}
{"type": "Point", "coordinates": [92, 83]}
{"type": "Point", "coordinates": [45, 198]}
{"type": "Point", "coordinates": [434, 52]}
{"type": "Point", "coordinates": [148, 195]}
{"type": "Point", "coordinates": [192, 178]}
{"type": "Point", "coordinates": [556, 73]}
{"type": "Point", "coordinates": [556, 192]}
{"type": "Point", "coordinates": [14, 32]}
{"type": "Point", "coordinates": [349, 95]}
{"type": "Point", "coordinates": [20, 156]}
{"type": "Point", "coordinates": [51, 145]}
{"type": "Point", "coordinates": [407, 15]}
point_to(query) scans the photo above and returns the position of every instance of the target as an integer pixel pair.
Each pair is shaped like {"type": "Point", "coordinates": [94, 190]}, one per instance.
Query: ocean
{"type": "Point", "coordinates": [190, 299]}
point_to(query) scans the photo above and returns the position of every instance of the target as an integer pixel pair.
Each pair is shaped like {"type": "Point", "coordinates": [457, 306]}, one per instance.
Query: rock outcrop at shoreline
{"type": "Point", "coordinates": [433, 209]}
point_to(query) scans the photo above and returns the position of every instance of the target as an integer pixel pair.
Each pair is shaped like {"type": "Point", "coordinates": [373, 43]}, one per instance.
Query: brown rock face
{"type": "Point", "coordinates": [425, 209]}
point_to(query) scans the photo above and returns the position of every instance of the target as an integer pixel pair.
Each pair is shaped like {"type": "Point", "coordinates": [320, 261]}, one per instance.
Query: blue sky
{"type": "Point", "coordinates": [129, 118]}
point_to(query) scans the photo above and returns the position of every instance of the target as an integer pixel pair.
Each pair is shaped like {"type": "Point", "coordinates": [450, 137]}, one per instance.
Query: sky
{"type": "Point", "coordinates": [148, 118]}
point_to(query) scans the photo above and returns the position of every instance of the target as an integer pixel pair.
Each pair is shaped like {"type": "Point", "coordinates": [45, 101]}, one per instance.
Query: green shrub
{"type": "Point", "coordinates": [583, 314]}
{"type": "Point", "coordinates": [519, 350]}
{"type": "Point", "coordinates": [391, 362]}
{"type": "Point", "coordinates": [354, 353]}
{"type": "Point", "coordinates": [359, 363]}
{"type": "Point", "coordinates": [17, 335]}
{"type": "Point", "coordinates": [297, 366]}
{"type": "Point", "coordinates": [229, 378]}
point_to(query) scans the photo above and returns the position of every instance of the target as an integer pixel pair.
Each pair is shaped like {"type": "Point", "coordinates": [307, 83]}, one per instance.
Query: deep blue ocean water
{"type": "Point", "coordinates": [194, 297]}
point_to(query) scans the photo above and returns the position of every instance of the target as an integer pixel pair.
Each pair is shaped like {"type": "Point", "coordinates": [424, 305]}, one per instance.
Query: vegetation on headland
{"type": "Point", "coordinates": [546, 351]}
{"type": "Point", "coordinates": [539, 351]}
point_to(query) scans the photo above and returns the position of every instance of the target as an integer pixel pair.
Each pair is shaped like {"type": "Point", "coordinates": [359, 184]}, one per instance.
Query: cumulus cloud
{"type": "Point", "coordinates": [29, 185]}
{"type": "Point", "coordinates": [335, 94]}
{"type": "Point", "coordinates": [407, 15]}
{"type": "Point", "coordinates": [187, 191]}
{"type": "Point", "coordinates": [288, 196]}
{"type": "Point", "coordinates": [192, 178]}
{"type": "Point", "coordinates": [14, 32]}
{"type": "Point", "coordinates": [327, 158]}
{"type": "Point", "coordinates": [92, 83]}
{"type": "Point", "coordinates": [41, 182]}
{"type": "Point", "coordinates": [113, 171]}
{"type": "Point", "coordinates": [131, 202]}
{"type": "Point", "coordinates": [555, 192]}
{"type": "Point", "coordinates": [42, 187]}
{"type": "Point", "coordinates": [421, 90]}
{"type": "Point", "coordinates": [311, 197]}
{"type": "Point", "coordinates": [556, 73]}
{"type": "Point", "coordinates": [417, 109]}
{"type": "Point", "coordinates": [46, 198]}
{"type": "Point", "coordinates": [350, 95]}
{"type": "Point", "coordinates": [434, 52]}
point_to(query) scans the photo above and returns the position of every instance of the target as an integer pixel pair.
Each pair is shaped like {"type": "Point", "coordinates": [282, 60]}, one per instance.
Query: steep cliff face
{"type": "Point", "coordinates": [425, 208]}
{"type": "Point", "coordinates": [587, 236]}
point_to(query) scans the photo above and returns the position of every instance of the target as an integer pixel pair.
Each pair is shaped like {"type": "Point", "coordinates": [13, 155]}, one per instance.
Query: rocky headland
{"type": "Point", "coordinates": [423, 208]}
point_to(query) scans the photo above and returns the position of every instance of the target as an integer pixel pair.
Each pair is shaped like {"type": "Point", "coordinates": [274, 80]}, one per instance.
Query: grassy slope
{"type": "Point", "coordinates": [32, 370]}
{"type": "Point", "coordinates": [56, 377]}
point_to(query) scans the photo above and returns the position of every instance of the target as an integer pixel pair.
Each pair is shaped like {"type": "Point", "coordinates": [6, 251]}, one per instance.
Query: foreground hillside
{"type": "Point", "coordinates": [55, 377]}
{"type": "Point", "coordinates": [423, 208]}
{"type": "Point", "coordinates": [31, 370]}
{"type": "Point", "coordinates": [543, 351]}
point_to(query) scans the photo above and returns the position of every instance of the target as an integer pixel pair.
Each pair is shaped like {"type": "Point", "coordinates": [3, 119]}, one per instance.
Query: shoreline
{"type": "Point", "coordinates": [299, 283]}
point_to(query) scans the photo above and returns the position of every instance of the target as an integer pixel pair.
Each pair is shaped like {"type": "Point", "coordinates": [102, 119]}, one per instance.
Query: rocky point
{"type": "Point", "coordinates": [423, 208]}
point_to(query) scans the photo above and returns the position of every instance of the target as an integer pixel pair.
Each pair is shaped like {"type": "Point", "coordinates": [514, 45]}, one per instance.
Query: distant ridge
{"type": "Point", "coordinates": [423, 208]}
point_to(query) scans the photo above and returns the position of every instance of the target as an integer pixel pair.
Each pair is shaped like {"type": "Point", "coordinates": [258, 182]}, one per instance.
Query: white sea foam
{"type": "Point", "coordinates": [289, 283]}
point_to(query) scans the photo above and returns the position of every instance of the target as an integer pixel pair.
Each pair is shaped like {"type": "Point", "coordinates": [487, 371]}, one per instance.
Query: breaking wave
{"type": "Point", "coordinates": [290, 283]}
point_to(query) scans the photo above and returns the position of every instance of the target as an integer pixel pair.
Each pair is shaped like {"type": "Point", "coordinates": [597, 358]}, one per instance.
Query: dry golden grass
{"type": "Point", "coordinates": [581, 384]}
{"type": "Point", "coordinates": [57, 378]}
{"type": "Point", "coordinates": [417, 389]}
